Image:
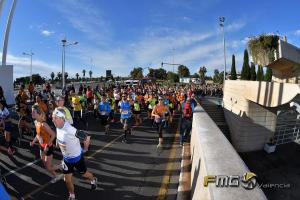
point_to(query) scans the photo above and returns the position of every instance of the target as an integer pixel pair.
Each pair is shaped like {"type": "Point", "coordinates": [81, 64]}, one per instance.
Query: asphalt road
{"type": "Point", "coordinates": [136, 170]}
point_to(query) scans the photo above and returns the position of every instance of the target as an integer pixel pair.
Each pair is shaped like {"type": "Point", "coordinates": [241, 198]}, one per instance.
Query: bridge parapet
{"type": "Point", "coordinates": [212, 154]}
{"type": "Point", "coordinates": [267, 94]}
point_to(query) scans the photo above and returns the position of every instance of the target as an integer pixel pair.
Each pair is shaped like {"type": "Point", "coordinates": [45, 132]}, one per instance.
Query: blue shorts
{"type": "Point", "coordinates": [8, 126]}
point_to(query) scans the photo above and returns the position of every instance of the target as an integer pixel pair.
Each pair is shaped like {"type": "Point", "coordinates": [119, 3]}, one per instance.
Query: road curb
{"type": "Point", "coordinates": [184, 187]}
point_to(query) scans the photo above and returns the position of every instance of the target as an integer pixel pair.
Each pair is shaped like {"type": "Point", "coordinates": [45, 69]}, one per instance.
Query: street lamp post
{"type": "Point", "coordinates": [222, 20]}
{"type": "Point", "coordinates": [64, 44]}
{"type": "Point", "coordinates": [29, 54]}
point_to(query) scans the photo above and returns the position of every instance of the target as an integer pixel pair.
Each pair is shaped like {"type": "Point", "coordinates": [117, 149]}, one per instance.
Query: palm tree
{"type": "Point", "coordinates": [90, 73]}
{"type": "Point", "coordinates": [59, 75]}
{"type": "Point", "coordinates": [77, 76]}
{"type": "Point", "coordinates": [52, 75]}
{"type": "Point", "coordinates": [83, 72]}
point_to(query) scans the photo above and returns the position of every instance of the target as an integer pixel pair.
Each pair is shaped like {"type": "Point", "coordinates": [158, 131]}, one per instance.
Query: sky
{"type": "Point", "coordinates": [120, 35]}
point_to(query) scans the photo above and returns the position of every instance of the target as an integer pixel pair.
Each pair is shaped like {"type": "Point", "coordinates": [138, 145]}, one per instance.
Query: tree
{"type": "Point", "coordinates": [253, 72]}
{"type": "Point", "coordinates": [218, 77]}
{"type": "Point", "coordinates": [52, 75]}
{"type": "Point", "coordinates": [268, 76]}
{"type": "Point", "coordinates": [183, 71]}
{"type": "Point", "coordinates": [37, 79]}
{"type": "Point", "coordinates": [195, 75]}
{"type": "Point", "coordinates": [77, 76]}
{"type": "Point", "coordinates": [157, 73]}
{"type": "Point", "coordinates": [233, 70]}
{"type": "Point", "coordinates": [173, 77]}
{"type": "Point", "coordinates": [59, 75]}
{"type": "Point", "coordinates": [90, 73]}
{"type": "Point", "coordinates": [260, 73]}
{"type": "Point", "coordinates": [202, 72]}
{"type": "Point", "coordinates": [137, 73]}
{"type": "Point", "coordinates": [83, 73]}
{"type": "Point", "coordinates": [246, 68]}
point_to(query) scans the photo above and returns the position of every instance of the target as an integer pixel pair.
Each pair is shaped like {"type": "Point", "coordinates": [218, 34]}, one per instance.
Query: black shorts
{"type": "Point", "coordinates": [68, 168]}
{"type": "Point", "coordinates": [104, 119]}
{"type": "Point", "coordinates": [8, 126]}
{"type": "Point", "coordinates": [137, 112]}
{"type": "Point", "coordinates": [171, 110]}
{"type": "Point", "coordinates": [47, 153]}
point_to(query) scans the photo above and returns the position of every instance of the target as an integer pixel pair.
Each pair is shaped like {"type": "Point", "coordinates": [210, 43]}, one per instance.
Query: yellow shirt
{"type": "Point", "coordinates": [76, 103]}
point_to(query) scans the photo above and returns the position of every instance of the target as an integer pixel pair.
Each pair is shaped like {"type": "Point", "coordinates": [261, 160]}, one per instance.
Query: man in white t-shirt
{"type": "Point", "coordinates": [68, 139]}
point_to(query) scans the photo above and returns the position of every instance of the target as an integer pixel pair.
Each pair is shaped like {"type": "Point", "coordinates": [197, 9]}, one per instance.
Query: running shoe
{"type": "Point", "coordinates": [55, 179]}
{"type": "Point", "coordinates": [94, 184]}
{"type": "Point", "coordinates": [124, 141]}
{"type": "Point", "coordinates": [10, 151]}
{"type": "Point", "coordinates": [71, 198]}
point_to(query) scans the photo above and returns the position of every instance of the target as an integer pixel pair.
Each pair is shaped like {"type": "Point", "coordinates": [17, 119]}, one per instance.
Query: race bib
{"type": "Point", "coordinates": [125, 112]}
{"type": "Point", "coordinates": [102, 113]}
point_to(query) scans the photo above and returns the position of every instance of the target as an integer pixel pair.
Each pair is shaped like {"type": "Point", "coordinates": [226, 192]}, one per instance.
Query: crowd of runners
{"type": "Point", "coordinates": [59, 120]}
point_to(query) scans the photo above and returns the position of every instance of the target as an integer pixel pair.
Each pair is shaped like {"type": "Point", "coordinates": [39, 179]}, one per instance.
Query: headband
{"type": "Point", "coordinates": [58, 113]}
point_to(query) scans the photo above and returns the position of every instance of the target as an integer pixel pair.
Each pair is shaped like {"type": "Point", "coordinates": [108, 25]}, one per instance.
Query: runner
{"type": "Point", "coordinates": [45, 136]}
{"type": "Point", "coordinates": [125, 110]}
{"type": "Point", "coordinates": [137, 112]}
{"type": "Point", "coordinates": [60, 101]}
{"type": "Point", "coordinates": [24, 125]}
{"type": "Point", "coordinates": [77, 108]}
{"type": "Point", "coordinates": [186, 120]}
{"type": "Point", "coordinates": [31, 90]}
{"type": "Point", "coordinates": [104, 110]}
{"type": "Point", "coordinates": [158, 113]}
{"type": "Point", "coordinates": [68, 139]}
{"type": "Point", "coordinates": [5, 119]}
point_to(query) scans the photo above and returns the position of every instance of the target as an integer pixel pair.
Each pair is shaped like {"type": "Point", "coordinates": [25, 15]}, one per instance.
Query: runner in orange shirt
{"type": "Point", "coordinates": [45, 136]}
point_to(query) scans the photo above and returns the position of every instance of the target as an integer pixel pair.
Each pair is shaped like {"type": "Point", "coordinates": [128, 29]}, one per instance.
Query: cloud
{"type": "Point", "coordinates": [44, 68]}
{"type": "Point", "coordinates": [47, 33]}
{"type": "Point", "coordinates": [187, 19]}
{"type": "Point", "coordinates": [90, 21]}
{"type": "Point", "coordinates": [235, 26]}
{"type": "Point", "coordinates": [297, 32]}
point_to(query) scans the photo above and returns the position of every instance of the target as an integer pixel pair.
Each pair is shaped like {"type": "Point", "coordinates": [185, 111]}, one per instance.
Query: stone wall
{"type": "Point", "coordinates": [212, 154]}
{"type": "Point", "coordinates": [251, 125]}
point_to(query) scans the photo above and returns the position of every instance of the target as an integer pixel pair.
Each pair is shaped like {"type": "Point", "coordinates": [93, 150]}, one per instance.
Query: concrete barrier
{"type": "Point", "coordinates": [212, 154]}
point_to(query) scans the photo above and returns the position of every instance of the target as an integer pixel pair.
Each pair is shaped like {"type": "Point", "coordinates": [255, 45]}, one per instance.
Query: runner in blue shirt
{"type": "Point", "coordinates": [104, 110]}
{"type": "Point", "coordinates": [125, 110]}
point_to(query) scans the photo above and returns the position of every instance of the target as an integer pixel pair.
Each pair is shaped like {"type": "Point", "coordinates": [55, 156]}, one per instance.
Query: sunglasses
{"type": "Point", "coordinates": [160, 99]}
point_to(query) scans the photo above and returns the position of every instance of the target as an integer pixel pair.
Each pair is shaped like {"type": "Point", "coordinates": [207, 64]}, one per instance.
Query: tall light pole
{"type": "Point", "coordinates": [63, 62]}
{"type": "Point", "coordinates": [173, 58]}
{"type": "Point", "coordinates": [29, 54]}
{"type": "Point", "coordinates": [222, 21]}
